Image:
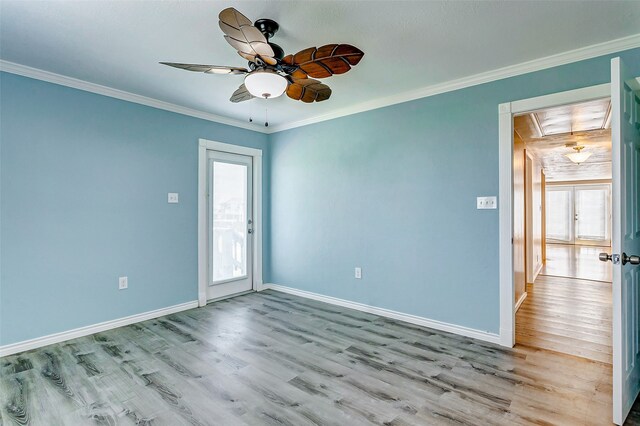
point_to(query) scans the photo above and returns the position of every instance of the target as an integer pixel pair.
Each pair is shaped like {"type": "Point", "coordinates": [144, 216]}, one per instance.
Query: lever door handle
{"type": "Point", "coordinates": [634, 260]}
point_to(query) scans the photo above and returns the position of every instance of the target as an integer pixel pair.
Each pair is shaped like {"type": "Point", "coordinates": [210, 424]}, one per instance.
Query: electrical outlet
{"type": "Point", "coordinates": [172, 198]}
{"type": "Point", "coordinates": [123, 282]}
{"type": "Point", "coordinates": [358, 272]}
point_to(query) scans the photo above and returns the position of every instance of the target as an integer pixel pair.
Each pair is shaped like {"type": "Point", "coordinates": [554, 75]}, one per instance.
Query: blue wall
{"type": "Point", "coordinates": [84, 181]}
{"type": "Point", "coordinates": [394, 190]}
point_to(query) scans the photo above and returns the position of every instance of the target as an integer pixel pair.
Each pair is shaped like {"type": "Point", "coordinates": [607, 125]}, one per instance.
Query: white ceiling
{"type": "Point", "coordinates": [407, 45]}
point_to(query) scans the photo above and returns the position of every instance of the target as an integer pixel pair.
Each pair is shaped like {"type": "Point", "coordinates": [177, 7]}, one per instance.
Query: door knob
{"type": "Point", "coordinates": [634, 260]}
{"type": "Point", "coordinates": [604, 257]}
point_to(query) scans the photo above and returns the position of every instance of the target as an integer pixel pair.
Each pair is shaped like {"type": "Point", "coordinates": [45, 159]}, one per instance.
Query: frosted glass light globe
{"type": "Point", "coordinates": [265, 84]}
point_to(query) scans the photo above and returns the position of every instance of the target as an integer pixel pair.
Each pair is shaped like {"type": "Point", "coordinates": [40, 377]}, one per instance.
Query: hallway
{"type": "Point", "coordinates": [568, 308]}
{"type": "Point", "coordinates": [567, 315]}
{"type": "Point", "coordinates": [577, 261]}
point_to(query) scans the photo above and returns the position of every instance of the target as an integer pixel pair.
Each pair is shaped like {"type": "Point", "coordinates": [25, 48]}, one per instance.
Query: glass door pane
{"type": "Point", "coordinates": [592, 214]}
{"type": "Point", "coordinates": [229, 243]}
{"type": "Point", "coordinates": [559, 212]}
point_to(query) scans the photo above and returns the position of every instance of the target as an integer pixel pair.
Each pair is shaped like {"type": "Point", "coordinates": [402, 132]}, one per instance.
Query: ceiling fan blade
{"type": "Point", "coordinates": [325, 61]}
{"type": "Point", "coordinates": [234, 18]}
{"type": "Point", "coordinates": [209, 69]}
{"type": "Point", "coordinates": [308, 90]}
{"type": "Point", "coordinates": [241, 94]}
{"type": "Point", "coordinates": [244, 37]}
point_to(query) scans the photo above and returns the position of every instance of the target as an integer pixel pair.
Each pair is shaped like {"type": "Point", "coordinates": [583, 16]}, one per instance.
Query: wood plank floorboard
{"type": "Point", "coordinates": [577, 261]}
{"type": "Point", "coordinates": [275, 359]}
{"type": "Point", "coordinates": [567, 315]}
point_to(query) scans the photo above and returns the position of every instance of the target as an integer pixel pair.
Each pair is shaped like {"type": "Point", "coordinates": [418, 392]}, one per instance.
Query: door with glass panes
{"type": "Point", "coordinates": [230, 224]}
{"type": "Point", "coordinates": [578, 214]}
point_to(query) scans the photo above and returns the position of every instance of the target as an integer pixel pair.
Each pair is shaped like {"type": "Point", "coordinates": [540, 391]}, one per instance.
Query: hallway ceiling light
{"type": "Point", "coordinates": [578, 157]}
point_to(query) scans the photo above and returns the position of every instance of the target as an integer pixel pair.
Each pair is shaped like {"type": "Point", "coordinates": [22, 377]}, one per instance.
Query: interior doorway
{"type": "Point", "coordinates": [624, 92]}
{"type": "Point", "coordinates": [563, 299]}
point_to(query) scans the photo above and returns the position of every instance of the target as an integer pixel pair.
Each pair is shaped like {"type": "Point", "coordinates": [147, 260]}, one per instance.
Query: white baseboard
{"type": "Point", "coordinates": [537, 271]}
{"type": "Point", "coordinates": [412, 319]}
{"type": "Point", "coordinates": [91, 329]}
{"type": "Point", "coordinates": [519, 302]}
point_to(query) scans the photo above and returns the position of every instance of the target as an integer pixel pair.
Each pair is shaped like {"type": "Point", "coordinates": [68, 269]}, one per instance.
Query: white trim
{"type": "Point", "coordinates": [505, 219]}
{"type": "Point", "coordinates": [584, 94]}
{"type": "Point", "coordinates": [256, 154]}
{"type": "Point", "coordinates": [230, 148]}
{"type": "Point", "coordinates": [92, 329]}
{"type": "Point", "coordinates": [75, 83]}
{"type": "Point", "coordinates": [537, 271]}
{"type": "Point", "coordinates": [562, 58]}
{"type": "Point", "coordinates": [519, 302]}
{"type": "Point", "coordinates": [505, 203]}
{"type": "Point", "coordinates": [412, 319]}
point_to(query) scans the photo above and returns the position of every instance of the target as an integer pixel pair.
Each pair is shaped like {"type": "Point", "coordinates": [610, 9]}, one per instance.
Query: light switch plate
{"type": "Point", "coordinates": [487, 203]}
{"type": "Point", "coordinates": [172, 198]}
{"type": "Point", "coordinates": [358, 272]}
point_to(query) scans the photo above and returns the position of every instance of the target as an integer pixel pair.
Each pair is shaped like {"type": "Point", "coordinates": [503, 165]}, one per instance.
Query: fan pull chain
{"type": "Point", "coordinates": [266, 116]}
{"type": "Point", "coordinates": [250, 111]}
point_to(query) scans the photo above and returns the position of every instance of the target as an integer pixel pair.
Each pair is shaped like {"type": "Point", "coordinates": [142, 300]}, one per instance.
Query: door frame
{"type": "Point", "coordinates": [205, 145]}
{"type": "Point", "coordinates": [506, 112]}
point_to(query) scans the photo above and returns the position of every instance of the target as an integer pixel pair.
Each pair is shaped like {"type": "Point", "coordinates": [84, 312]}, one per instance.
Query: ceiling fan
{"type": "Point", "coordinates": [270, 72]}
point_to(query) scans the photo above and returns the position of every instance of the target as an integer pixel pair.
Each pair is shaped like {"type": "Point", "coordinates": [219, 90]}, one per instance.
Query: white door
{"type": "Point", "coordinates": [560, 214]}
{"type": "Point", "coordinates": [625, 135]}
{"type": "Point", "coordinates": [592, 217]}
{"type": "Point", "coordinates": [230, 220]}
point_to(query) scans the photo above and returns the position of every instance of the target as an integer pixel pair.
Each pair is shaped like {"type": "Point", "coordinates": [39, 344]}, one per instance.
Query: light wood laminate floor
{"type": "Point", "coordinates": [567, 315]}
{"type": "Point", "coordinates": [274, 359]}
{"type": "Point", "coordinates": [577, 261]}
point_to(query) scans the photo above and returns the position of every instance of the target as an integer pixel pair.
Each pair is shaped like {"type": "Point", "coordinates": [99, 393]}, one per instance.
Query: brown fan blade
{"type": "Point", "coordinates": [308, 90]}
{"type": "Point", "coordinates": [241, 94]}
{"type": "Point", "coordinates": [209, 69]}
{"type": "Point", "coordinates": [325, 61]}
{"type": "Point", "coordinates": [244, 37]}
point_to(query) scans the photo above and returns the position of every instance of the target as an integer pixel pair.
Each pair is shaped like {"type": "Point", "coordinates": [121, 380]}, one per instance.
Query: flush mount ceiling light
{"type": "Point", "coordinates": [586, 116]}
{"type": "Point", "coordinates": [578, 157]}
{"type": "Point", "coordinates": [265, 84]}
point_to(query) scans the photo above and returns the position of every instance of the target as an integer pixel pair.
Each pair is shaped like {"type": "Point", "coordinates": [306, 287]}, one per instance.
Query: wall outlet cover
{"type": "Point", "coordinates": [172, 198]}
{"type": "Point", "coordinates": [123, 282]}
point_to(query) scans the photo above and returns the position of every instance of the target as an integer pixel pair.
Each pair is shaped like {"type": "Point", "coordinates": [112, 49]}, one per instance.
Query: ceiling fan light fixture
{"type": "Point", "coordinates": [265, 84]}
{"type": "Point", "coordinates": [578, 156]}
{"type": "Point", "coordinates": [220, 71]}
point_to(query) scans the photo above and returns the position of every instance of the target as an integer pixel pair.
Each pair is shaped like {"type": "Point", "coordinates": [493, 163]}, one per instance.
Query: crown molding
{"type": "Point", "coordinates": [563, 58]}
{"type": "Point", "coordinates": [75, 83]}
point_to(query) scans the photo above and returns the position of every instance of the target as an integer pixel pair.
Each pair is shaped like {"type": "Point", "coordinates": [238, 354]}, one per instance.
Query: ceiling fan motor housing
{"type": "Point", "coordinates": [268, 27]}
